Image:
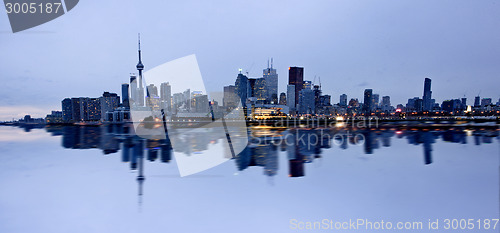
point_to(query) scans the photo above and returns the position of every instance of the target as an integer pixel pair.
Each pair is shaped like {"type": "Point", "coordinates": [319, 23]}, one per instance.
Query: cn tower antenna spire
{"type": "Point", "coordinates": [140, 66]}
{"type": "Point", "coordinates": [139, 45]}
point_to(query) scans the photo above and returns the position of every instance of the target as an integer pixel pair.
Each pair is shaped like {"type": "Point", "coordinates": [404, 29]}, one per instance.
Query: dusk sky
{"type": "Point", "coordinates": [389, 46]}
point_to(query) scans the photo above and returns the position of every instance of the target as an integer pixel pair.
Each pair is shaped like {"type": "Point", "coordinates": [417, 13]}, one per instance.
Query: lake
{"type": "Point", "coordinates": [104, 179]}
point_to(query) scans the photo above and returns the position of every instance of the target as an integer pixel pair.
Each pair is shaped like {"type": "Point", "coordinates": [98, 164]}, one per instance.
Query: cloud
{"type": "Point", "coordinates": [16, 112]}
{"type": "Point", "coordinates": [363, 84]}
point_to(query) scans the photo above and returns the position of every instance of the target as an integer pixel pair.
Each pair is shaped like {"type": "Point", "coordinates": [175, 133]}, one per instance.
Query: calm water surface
{"type": "Point", "coordinates": [84, 179]}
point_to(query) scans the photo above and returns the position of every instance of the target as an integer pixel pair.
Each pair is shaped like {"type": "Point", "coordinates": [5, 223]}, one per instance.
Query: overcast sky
{"type": "Point", "coordinates": [389, 46]}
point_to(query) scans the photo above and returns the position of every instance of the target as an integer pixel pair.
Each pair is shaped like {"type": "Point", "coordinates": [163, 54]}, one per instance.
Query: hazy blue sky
{"type": "Point", "coordinates": [390, 46]}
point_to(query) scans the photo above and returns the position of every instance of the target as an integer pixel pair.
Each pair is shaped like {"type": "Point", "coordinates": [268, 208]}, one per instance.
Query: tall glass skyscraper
{"type": "Point", "coordinates": [427, 95]}
{"type": "Point", "coordinates": [296, 78]}
{"type": "Point", "coordinates": [271, 79]}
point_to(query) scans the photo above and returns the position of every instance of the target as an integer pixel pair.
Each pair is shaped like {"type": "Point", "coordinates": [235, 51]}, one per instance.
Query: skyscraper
{"type": "Point", "coordinates": [67, 110]}
{"type": "Point", "coordinates": [230, 99]}
{"type": "Point", "coordinates": [306, 102]}
{"type": "Point", "coordinates": [485, 102]}
{"type": "Point", "coordinates": [152, 98]}
{"type": "Point", "coordinates": [259, 88]}
{"type": "Point", "coordinates": [386, 103]}
{"type": "Point", "coordinates": [133, 90]}
{"type": "Point", "coordinates": [464, 103]}
{"type": "Point", "coordinates": [166, 96]}
{"type": "Point", "coordinates": [427, 95]}
{"type": "Point", "coordinates": [109, 102]}
{"type": "Point", "coordinates": [282, 98]}
{"type": "Point", "coordinates": [290, 97]}
{"type": "Point", "coordinates": [296, 78]}
{"type": "Point", "coordinates": [271, 80]}
{"type": "Point", "coordinates": [367, 101]}
{"type": "Point", "coordinates": [125, 95]}
{"type": "Point", "coordinates": [343, 100]}
{"type": "Point", "coordinates": [242, 88]}
{"type": "Point", "coordinates": [477, 101]}
{"type": "Point", "coordinates": [375, 101]}
{"type": "Point", "coordinates": [317, 96]}
{"type": "Point", "coordinates": [152, 90]}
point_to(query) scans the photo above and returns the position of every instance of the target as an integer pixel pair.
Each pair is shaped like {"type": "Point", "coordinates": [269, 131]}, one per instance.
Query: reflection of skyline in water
{"type": "Point", "coordinates": [302, 145]}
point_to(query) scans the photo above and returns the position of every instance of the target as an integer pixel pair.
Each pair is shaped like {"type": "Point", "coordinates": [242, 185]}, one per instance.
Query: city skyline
{"type": "Point", "coordinates": [391, 55]}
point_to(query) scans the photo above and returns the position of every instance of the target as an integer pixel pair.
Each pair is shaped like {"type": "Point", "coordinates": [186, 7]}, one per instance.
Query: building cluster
{"type": "Point", "coordinates": [259, 99]}
{"type": "Point", "coordinates": [106, 108]}
{"type": "Point", "coordinates": [259, 96]}
{"type": "Point", "coordinates": [27, 119]}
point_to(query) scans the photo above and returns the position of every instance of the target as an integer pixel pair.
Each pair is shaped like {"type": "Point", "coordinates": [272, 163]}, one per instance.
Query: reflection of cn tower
{"type": "Point", "coordinates": [138, 163]}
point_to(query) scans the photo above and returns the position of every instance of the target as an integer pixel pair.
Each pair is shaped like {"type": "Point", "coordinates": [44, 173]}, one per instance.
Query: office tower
{"type": "Point", "coordinates": [125, 95]}
{"type": "Point", "coordinates": [419, 105]}
{"type": "Point", "coordinates": [427, 106]}
{"type": "Point", "coordinates": [230, 99]}
{"type": "Point", "coordinates": [152, 99]}
{"type": "Point", "coordinates": [178, 101]}
{"type": "Point", "coordinates": [133, 90]}
{"type": "Point", "coordinates": [67, 110]}
{"type": "Point", "coordinates": [242, 88]}
{"type": "Point", "coordinates": [375, 101]}
{"type": "Point", "coordinates": [251, 83]}
{"type": "Point", "coordinates": [317, 95]}
{"type": "Point", "coordinates": [477, 100]}
{"type": "Point", "coordinates": [152, 90]}
{"type": "Point", "coordinates": [296, 78]}
{"type": "Point", "coordinates": [464, 103]}
{"type": "Point", "coordinates": [271, 81]}
{"type": "Point", "coordinates": [448, 106]}
{"type": "Point", "coordinates": [325, 100]}
{"type": "Point", "coordinates": [343, 100]}
{"type": "Point", "coordinates": [94, 109]}
{"type": "Point", "coordinates": [307, 85]}
{"type": "Point", "coordinates": [140, 90]}
{"type": "Point", "coordinates": [78, 109]}
{"type": "Point", "coordinates": [414, 104]}
{"type": "Point", "coordinates": [353, 102]}
{"type": "Point", "coordinates": [282, 99]}
{"type": "Point", "coordinates": [274, 98]}
{"type": "Point", "coordinates": [109, 102]}
{"type": "Point", "coordinates": [259, 89]}
{"type": "Point", "coordinates": [200, 103]}
{"type": "Point", "coordinates": [367, 101]}
{"type": "Point", "coordinates": [485, 102]}
{"type": "Point", "coordinates": [386, 103]}
{"type": "Point", "coordinates": [166, 96]}
{"type": "Point", "coordinates": [290, 97]}
{"type": "Point", "coordinates": [186, 97]}
{"type": "Point", "coordinates": [306, 102]}
{"type": "Point", "coordinates": [498, 104]}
